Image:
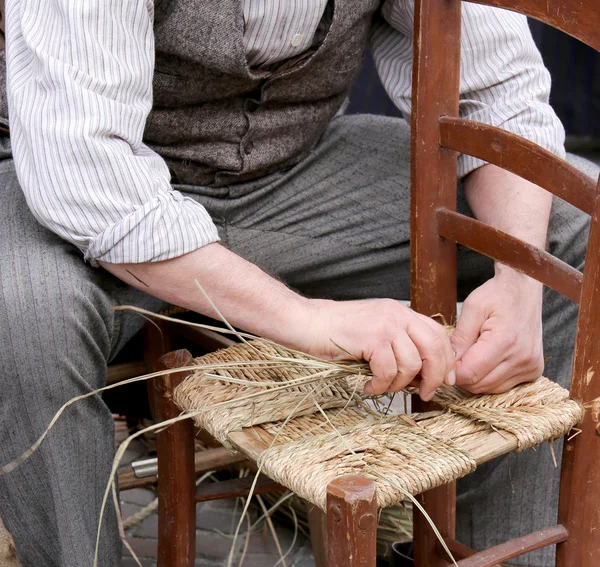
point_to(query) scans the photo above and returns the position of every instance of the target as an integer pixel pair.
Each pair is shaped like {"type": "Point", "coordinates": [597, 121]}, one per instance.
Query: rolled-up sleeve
{"type": "Point", "coordinates": [503, 81]}
{"type": "Point", "coordinates": [79, 77]}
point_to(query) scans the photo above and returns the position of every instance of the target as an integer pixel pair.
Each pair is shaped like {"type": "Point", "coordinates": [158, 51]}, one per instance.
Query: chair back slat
{"type": "Point", "coordinates": [578, 18]}
{"type": "Point", "coordinates": [520, 156]}
{"type": "Point", "coordinates": [511, 251]}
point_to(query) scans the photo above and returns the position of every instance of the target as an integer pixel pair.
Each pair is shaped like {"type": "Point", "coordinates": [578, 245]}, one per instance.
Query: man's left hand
{"type": "Point", "coordinates": [498, 339]}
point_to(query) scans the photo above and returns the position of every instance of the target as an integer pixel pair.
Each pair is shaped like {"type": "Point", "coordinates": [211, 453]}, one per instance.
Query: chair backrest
{"type": "Point", "coordinates": [438, 135]}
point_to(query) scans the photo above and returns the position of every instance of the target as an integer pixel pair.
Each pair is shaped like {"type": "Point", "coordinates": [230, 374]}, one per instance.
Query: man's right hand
{"type": "Point", "coordinates": [398, 343]}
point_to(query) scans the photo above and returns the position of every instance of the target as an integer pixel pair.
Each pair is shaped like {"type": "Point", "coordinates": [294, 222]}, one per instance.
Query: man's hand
{"type": "Point", "coordinates": [397, 342]}
{"type": "Point", "coordinates": [498, 339]}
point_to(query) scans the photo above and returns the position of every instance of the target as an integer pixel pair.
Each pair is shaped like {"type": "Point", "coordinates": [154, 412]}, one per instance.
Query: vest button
{"type": "Point", "coordinates": [248, 147]}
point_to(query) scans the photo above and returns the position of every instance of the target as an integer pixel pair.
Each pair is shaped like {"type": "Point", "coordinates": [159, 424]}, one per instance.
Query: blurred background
{"type": "Point", "coordinates": [575, 70]}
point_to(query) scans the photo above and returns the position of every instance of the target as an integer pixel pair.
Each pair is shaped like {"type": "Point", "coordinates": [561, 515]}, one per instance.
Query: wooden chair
{"type": "Point", "coordinates": [438, 134]}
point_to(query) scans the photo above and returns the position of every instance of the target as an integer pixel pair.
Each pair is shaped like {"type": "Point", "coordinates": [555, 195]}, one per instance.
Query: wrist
{"type": "Point", "coordinates": [510, 276]}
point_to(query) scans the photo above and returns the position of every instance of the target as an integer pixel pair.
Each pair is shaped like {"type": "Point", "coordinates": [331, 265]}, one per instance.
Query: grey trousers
{"type": "Point", "coordinates": [336, 226]}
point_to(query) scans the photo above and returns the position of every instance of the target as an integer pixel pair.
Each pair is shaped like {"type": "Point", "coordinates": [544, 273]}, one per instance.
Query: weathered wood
{"type": "Point", "coordinates": [352, 522]}
{"type": "Point", "coordinates": [517, 547]}
{"type": "Point", "coordinates": [119, 372]}
{"type": "Point", "coordinates": [485, 449]}
{"type": "Point", "coordinates": [520, 156]}
{"type": "Point", "coordinates": [579, 511]}
{"type": "Point", "coordinates": [433, 168]}
{"type": "Point", "coordinates": [578, 18]}
{"type": "Point", "coordinates": [317, 525]}
{"type": "Point", "coordinates": [176, 477]}
{"type": "Point", "coordinates": [211, 459]}
{"type": "Point", "coordinates": [458, 550]}
{"type": "Point", "coordinates": [511, 251]}
{"type": "Point", "coordinates": [236, 488]}
{"type": "Point", "coordinates": [436, 74]}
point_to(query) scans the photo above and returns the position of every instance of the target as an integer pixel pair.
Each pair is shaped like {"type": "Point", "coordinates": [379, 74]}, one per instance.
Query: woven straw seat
{"type": "Point", "coordinates": [305, 422]}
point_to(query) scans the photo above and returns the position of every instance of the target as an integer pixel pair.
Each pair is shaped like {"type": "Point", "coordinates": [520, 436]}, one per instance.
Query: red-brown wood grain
{"type": "Point", "coordinates": [511, 251]}
{"type": "Point", "coordinates": [520, 156]}
{"type": "Point", "coordinates": [515, 547]}
{"type": "Point", "coordinates": [579, 18]}
{"type": "Point", "coordinates": [436, 76]}
{"type": "Point", "coordinates": [579, 503]}
{"type": "Point", "coordinates": [352, 522]}
{"type": "Point", "coordinates": [176, 476]}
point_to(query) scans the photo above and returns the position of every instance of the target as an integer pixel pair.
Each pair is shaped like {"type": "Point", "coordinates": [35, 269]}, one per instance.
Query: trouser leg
{"type": "Point", "coordinates": [57, 333]}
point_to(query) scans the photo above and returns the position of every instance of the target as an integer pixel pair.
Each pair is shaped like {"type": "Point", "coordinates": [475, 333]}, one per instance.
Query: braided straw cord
{"type": "Point", "coordinates": [318, 428]}
{"type": "Point", "coordinates": [8, 553]}
{"type": "Point", "coordinates": [198, 391]}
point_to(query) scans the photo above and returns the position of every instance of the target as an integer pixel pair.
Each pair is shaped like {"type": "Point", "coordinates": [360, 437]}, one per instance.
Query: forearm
{"type": "Point", "coordinates": [509, 203]}
{"type": "Point", "coordinates": [397, 342]}
{"type": "Point", "coordinates": [247, 297]}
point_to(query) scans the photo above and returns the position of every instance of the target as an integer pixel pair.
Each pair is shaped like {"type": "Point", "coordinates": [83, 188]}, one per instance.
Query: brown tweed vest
{"type": "Point", "coordinates": [217, 122]}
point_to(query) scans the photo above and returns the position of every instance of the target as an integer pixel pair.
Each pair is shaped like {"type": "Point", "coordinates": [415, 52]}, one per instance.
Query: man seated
{"type": "Point", "coordinates": [152, 143]}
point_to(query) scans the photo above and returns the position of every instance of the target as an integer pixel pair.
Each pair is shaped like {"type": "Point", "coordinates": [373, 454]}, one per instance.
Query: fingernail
{"type": "Point", "coordinates": [451, 378]}
{"type": "Point", "coordinates": [429, 397]}
{"type": "Point", "coordinates": [368, 389]}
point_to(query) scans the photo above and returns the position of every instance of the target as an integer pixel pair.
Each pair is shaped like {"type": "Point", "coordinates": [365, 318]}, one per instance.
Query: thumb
{"type": "Point", "coordinates": [467, 329]}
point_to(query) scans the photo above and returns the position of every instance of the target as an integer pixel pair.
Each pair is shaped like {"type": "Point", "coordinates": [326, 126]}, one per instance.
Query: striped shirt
{"type": "Point", "coordinates": [78, 108]}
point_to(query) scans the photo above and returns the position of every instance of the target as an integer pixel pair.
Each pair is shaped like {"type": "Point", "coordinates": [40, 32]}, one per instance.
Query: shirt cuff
{"type": "Point", "coordinates": [167, 226]}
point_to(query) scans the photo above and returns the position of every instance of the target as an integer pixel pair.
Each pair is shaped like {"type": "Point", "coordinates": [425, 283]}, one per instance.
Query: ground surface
{"type": "Point", "coordinates": [215, 521]}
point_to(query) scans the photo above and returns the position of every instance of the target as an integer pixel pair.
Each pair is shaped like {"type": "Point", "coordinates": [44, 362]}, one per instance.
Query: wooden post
{"type": "Point", "coordinates": [436, 72]}
{"type": "Point", "coordinates": [317, 525]}
{"type": "Point", "coordinates": [579, 508]}
{"type": "Point", "coordinates": [352, 522]}
{"type": "Point", "coordinates": [176, 474]}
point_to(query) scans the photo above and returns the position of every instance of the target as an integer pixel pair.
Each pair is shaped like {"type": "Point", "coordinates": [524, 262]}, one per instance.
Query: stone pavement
{"type": "Point", "coordinates": [215, 522]}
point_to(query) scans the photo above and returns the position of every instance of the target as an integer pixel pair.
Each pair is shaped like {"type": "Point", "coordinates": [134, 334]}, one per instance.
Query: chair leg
{"type": "Point", "coordinates": [578, 508]}
{"type": "Point", "coordinates": [317, 525]}
{"type": "Point", "coordinates": [176, 472]}
{"type": "Point", "coordinates": [440, 505]}
{"type": "Point", "coordinates": [352, 522]}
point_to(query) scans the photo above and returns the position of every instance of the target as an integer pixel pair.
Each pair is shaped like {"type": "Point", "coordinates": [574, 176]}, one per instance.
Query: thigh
{"type": "Point", "coordinates": [56, 312]}
{"type": "Point", "coordinates": [338, 224]}
{"type": "Point", "coordinates": [57, 334]}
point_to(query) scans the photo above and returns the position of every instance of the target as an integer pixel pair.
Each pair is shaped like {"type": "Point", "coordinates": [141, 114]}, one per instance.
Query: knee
{"type": "Point", "coordinates": [55, 326]}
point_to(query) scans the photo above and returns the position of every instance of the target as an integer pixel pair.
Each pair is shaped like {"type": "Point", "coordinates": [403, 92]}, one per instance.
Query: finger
{"type": "Point", "coordinates": [493, 380]}
{"type": "Point", "coordinates": [467, 329]}
{"type": "Point", "coordinates": [408, 362]}
{"type": "Point", "coordinates": [450, 378]}
{"type": "Point", "coordinates": [431, 349]}
{"type": "Point", "coordinates": [503, 378]}
{"type": "Point", "coordinates": [482, 358]}
{"type": "Point", "coordinates": [383, 366]}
